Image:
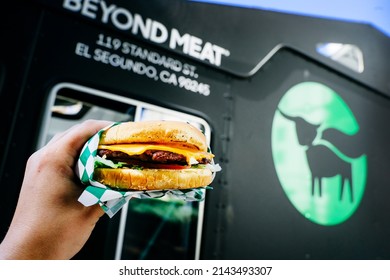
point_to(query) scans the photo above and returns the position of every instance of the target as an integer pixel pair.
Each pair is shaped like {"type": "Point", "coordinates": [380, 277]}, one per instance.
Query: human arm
{"type": "Point", "coordinates": [49, 222]}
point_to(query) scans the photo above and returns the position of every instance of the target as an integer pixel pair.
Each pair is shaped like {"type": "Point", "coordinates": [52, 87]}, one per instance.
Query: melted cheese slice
{"type": "Point", "coordinates": [137, 149]}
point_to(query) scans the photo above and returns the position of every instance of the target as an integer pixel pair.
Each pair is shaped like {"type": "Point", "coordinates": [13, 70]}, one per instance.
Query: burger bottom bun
{"type": "Point", "coordinates": [153, 179]}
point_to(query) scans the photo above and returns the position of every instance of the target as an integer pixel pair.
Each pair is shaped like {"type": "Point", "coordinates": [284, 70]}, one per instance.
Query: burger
{"type": "Point", "coordinates": [153, 155]}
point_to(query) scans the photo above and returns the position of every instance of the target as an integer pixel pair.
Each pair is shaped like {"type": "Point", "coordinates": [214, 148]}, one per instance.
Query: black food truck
{"type": "Point", "coordinates": [295, 109]}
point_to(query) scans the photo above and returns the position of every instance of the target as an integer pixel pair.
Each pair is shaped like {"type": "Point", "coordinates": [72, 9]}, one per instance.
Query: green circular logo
{"type": "Point", "coordinates": [322, 182]}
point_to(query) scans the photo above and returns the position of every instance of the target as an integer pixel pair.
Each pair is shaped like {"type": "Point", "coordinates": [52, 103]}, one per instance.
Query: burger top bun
{"type": "Point", "coordinates": [161, 132]}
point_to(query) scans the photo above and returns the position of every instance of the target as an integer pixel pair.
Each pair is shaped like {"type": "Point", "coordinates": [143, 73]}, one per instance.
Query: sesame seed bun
{"type": "Point", "coordinates": [163, 132]}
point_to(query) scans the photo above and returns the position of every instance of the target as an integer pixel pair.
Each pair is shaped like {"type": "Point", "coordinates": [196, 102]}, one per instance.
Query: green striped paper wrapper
{"type": "Point", "coordinates": [112, 200]}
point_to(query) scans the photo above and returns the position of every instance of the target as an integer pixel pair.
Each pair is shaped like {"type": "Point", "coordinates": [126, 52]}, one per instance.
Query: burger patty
{"type": "Point", "coordinates": [148, 156]}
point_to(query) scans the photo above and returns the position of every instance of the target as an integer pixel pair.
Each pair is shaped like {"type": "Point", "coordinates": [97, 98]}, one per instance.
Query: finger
{"type": "Point", "coordinates": [74, 138]}
{"type": "Point", "coordinates": [61, 134]}
{"type": "Point", "coordinates": [57, 136]}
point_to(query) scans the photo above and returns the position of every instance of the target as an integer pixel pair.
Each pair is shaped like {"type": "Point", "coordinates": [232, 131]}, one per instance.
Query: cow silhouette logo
{"type": "Point", "coordinates": [318, 159]}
